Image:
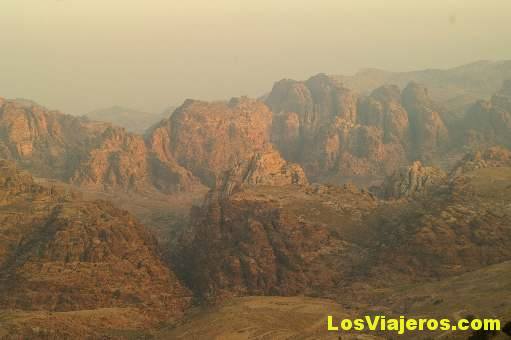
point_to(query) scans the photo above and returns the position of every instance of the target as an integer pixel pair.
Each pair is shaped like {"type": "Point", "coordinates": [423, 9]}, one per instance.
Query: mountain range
{"type": "Point", "coordinates": [338, 191]}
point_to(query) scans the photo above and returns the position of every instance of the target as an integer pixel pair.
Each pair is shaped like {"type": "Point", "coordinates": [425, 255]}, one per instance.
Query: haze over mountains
{"type": "Point", "coordinates": [132, 120]}
{"type": "Point", "coordinates": [452, 88]}
{"type": "Point", "coordinates": [331, 187]}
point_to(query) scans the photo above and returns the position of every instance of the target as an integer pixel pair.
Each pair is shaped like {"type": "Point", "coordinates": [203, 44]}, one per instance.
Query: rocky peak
{"type": "Point", "coordinates": [427, 129]}
{"type": "Point", "coordinates": [264, 168]}
{"type": "Point", "coordinates": [315, 100]}
{"type": "Point", "coordinates": [290, 96]}
{"type": "Point", "coordinates": [86, 153]}
{"type": "Point", "coordinates": [413, 181]}
{"type": "Point", "coordinates": [208, 138]}
{"type": "Point", "coordinates": [331, 98]}
{"type": "Point", "coordinates": [383, 109]}
{"type": "Point", "coordinates": [416, 95]}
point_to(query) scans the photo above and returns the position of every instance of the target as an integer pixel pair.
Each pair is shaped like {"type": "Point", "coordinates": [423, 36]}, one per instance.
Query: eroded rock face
{"type": "Point", "coordinates": [90, 154]}
{"type": "Point", "coordinates": [282, 240]}
{"type": "Point", "coordinates": [383, 109]}
{"type": "Point", "coordinates": [428, 132]}
{"type": "Point", "coordinates": [264, 168]}
{"type": "Point", "coordinates": [209, 138]}
{"type": "Point", "coordinates": [457, 228]}
{"type": "Point", "coordinates": [489, 122]}
{"type": "Point", "coordinates": [332, 132]}
{"type": "Point", "coordinates": [326, 240]}
{"type": "Point", "coordinates": [413, 181]}
{"type": "Point", "coordinates": [61, 253]}
{"type": "Point", "coordinates": [315, 102]}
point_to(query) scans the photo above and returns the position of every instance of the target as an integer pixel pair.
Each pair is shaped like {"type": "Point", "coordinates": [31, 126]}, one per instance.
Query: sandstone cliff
{"type": "Point", "coordinates": [335, 133]}
{"type": "Point", "coordinates": [429, 135]}
{"type": "Point", "coordinates": [209, 138]}
{"type": "Point", "coordinates": [91, 154]}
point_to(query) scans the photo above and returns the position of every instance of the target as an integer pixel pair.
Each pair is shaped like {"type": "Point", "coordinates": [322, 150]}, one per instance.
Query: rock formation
{"type": "Point", "coordinates": [415, 180]}
{"type": "Point", "coordinates": [324, 240]}
{"type": "Point", "coordinates": [455, 88]}
{"type": "Point", "coordinates": [209, 138]}
{"type": "Point", "coordinates": [82, 152]}
{"type": "Point", "coordinates": [264, 230]}
{"type": "Point", "coordinates": [493, 157]}
{"type": "Point", "coordinates": [264, 168]}
{"type": "Point", "coordinates": [383, 109]}
{"type": "Point", "coordinates": [334, 133]}
{"type": "Point", "coordinates": [489, 122]}
{"type": "Point", "coordinates": [61, 253]}
{"type": "Point", "coordinates": [429, 136]}
{"type": "Point", "coordinates": [273, 241]}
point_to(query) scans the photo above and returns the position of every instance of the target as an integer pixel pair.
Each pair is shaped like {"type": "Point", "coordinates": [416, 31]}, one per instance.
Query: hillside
{"type": "Point", "coordinates": [61, 253]}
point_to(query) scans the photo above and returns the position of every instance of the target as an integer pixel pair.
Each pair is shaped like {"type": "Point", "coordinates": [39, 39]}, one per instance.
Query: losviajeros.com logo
{"type": "Point", "coordinates": [401, 325]}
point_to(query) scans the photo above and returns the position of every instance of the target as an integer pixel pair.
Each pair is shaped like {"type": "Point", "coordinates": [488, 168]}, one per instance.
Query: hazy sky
{"type": "Point", "coordinates": [80, 55]}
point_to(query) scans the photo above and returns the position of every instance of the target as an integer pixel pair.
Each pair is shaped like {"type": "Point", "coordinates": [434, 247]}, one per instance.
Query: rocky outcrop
{"type": "Point", "coordinates": [457, 228]}
{"type": "Point", "coordinates": [383, 109]}
{"type": "Point", "coordinates": [413, 181]}
{"type": "Point", "coordinates": [90, 154]}
{"type": "Point", "coordinates": [493, 157]}
{"type": "Point", "coordinates": [429, 135]}
{"type": "Point", "coordinates": [315, 102]}
{"type": "Point", "coordinates": [334, 133]}
{"type": "Point", "coordinates": [325, 240]}
{"type": "Point", "coordinates": [488, 123]}
{"type": "Point", "coordinates": [59, 252]}
{"type": "Point", "coordinates": [281, 240]}
{"type": "Point", "coordinates": [264, 168]}
{"type": "Point", "coordinates": [209, 138]}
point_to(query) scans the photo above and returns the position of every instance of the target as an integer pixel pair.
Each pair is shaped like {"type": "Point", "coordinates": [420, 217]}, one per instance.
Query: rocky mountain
{"type": "Point", "coordinates": [132, 120]}
{"type": "Point", "coordinates": [428, 131]}
{"type": "Point", "coordinates": [412, 181]}
{"type": "Point", "coordinates": [488, 122]}
{"type": "Point", "coordinates": [209, 138]}
{"type": "Point", "coordinates": [59, 252]}
{"type": "Point", "coordinates": [335, 133]}
{"type": "Point", "coordinates": [267, 238]}
{"type": "Point", "coordinates": [270, 237]}
{"type": "Point", "coordinates": [264, 168]}
{"type": "Point", "coordinates": [86, 153]}
{"type": "Point", "coordinates": [455, 88]}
